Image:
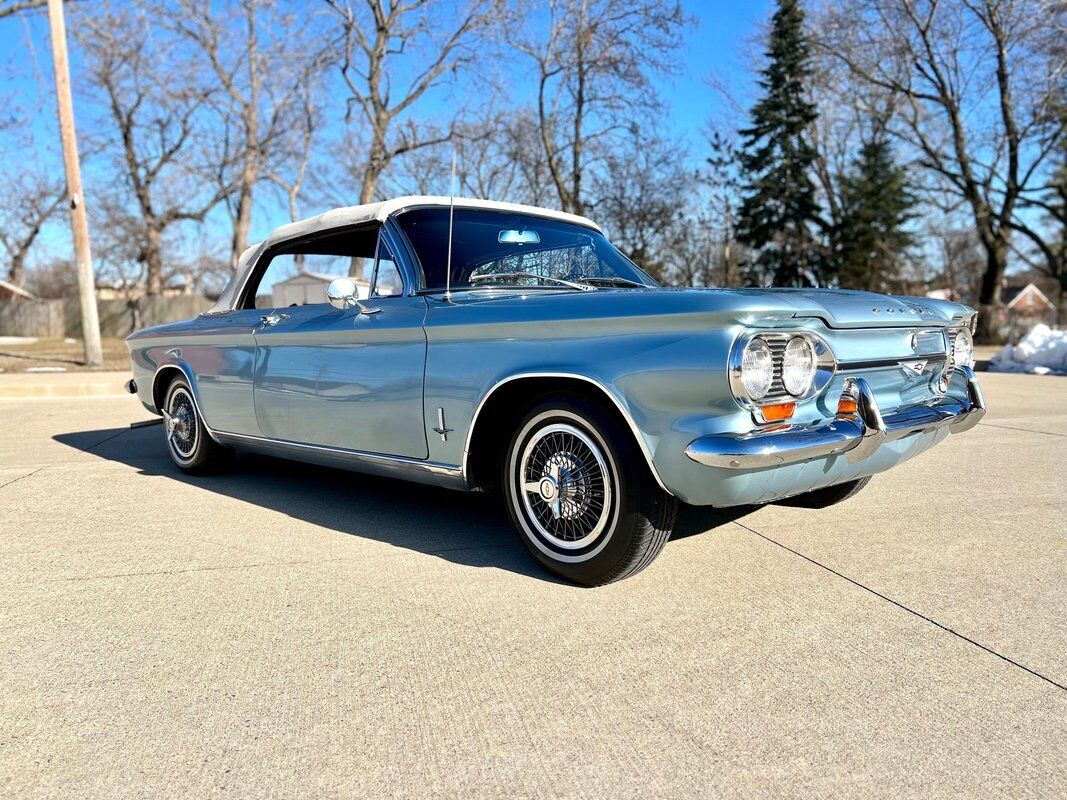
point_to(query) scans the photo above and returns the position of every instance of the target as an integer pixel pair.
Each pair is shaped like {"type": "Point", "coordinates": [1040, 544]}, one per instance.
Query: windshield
{"type": "Point", "coordinates": [500, 248]}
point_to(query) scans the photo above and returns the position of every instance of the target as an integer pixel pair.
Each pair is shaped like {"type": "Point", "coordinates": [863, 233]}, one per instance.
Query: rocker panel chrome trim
{"type": "Point", "coordinates": [355, 455]}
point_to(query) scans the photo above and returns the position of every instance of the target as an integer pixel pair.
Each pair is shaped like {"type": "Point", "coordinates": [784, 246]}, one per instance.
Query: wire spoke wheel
{"type": "Point", "coordinates": [566, 486]}
{"type": "Point", "coordinates": [181, 424]}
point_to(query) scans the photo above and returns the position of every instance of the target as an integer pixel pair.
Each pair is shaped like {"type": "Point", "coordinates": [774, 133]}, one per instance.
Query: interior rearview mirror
{"type": "Point", "coordinates": [518, 237]}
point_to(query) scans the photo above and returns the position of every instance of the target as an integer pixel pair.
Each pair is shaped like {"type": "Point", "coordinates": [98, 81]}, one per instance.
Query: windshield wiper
{"type": "Point", "coordinates": [503, 276]}
{"type": "Point", "coordinates": [597, 280]}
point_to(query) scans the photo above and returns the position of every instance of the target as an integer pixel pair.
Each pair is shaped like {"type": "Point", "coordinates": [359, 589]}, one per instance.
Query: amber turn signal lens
{"type": "Point", "coordinates": [778, 411]}
{"type": "Point", "coordinates": [846, 407]}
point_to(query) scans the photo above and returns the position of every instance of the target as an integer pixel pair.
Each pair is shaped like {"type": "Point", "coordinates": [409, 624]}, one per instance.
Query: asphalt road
{"type": "Point", "coordinates": [293, 631]}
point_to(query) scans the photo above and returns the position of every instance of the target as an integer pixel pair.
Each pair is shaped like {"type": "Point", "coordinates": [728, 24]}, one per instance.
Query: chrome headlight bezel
{"type": "Point", "coordinates": [825, 367]}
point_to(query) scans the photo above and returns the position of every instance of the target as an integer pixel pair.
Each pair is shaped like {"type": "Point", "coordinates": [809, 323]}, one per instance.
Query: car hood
{"type": "Point", "coordinates": [843, 308]}
{"type": "Point", "coordinates": [836, 308]}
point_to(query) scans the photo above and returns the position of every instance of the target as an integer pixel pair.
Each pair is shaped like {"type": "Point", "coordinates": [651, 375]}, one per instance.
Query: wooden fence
{"type": "Point", "coordinates": [58, 318]}
{"type": "Point", "coordinates": [41, 318]}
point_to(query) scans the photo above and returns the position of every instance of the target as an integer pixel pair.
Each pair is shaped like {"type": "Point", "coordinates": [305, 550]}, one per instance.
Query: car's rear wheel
{"type": "Point", "coordinates": [829, 496]}
{"type": "Point", "coordinates": [188, 442]}
{"type": "Point", "coordinates": [581, 496]}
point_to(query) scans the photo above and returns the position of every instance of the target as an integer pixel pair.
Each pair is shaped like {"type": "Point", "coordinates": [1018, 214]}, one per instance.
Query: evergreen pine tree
{"type": "Point", "coordinates": [779, 211]}
{"type": "Point", "coordinates": [872, 243]}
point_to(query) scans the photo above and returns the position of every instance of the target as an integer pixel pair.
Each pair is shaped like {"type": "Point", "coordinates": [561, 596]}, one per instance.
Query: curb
{"type": "Point", "coordinates": [23, 385]}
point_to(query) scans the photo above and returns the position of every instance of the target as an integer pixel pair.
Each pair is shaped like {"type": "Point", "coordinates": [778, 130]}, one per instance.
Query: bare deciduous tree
{"type": "Point", "coordinates": [595, 61]}
{"type": "Point", "coordinates": [290, 172]}
{"type": "Point", "coordinates": [27, 202]}
{"type": "Point", "coordinates": [12, 7]}
{"type": "Point", "coordinates": [637, 198]}
{"type": "Point", "coordinates": [260, 70]}
{"type": "Point", "coordinates": [492, 162]}
{"type": "Point", "coordinates": [1044, 248]}
{"type": "Point", "coordinates": [377, 37]}
{"type": "Point", "coordinates": [978, 82]}
{"type": "Point", "coordinates": [300, 153]}
{"type": "Point", "coordinates": [723, 183]}
{"type": "Point", "coordinates": [152, 116]}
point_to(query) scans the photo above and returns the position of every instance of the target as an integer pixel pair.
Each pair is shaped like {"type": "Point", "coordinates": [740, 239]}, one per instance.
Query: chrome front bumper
{"type": "Point", "coordinates": [857, 437]}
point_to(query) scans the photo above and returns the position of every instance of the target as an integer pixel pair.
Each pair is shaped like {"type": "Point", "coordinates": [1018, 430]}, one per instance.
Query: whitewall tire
{"type": "Point", "coordinates": [188, 441]}
{"type": "Point", "coordinates": [580, 494]}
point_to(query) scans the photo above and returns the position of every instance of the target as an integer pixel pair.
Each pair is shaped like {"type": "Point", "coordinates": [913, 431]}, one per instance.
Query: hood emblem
{"type": "Point", "coordinates": [914, 367]}
{"type": "Point", "coordinates": [905, 310]}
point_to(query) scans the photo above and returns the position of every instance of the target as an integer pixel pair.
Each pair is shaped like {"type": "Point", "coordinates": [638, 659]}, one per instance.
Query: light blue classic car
{"type": "Point", "coordinates": [490, 346]}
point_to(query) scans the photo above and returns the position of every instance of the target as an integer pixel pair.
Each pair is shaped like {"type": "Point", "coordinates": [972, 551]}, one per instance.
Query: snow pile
{"type": "Point", "coordinates": [1042, 351]}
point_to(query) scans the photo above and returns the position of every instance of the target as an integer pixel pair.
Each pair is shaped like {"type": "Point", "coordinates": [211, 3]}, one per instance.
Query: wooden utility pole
{"type": "Point", "coordinates": [79, 223]}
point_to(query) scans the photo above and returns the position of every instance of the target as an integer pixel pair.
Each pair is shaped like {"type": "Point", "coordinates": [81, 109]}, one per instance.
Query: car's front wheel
{"type": "Point", "coordinates": [581, 495]}
{"type": "Point", "coordinates": [188, 442]}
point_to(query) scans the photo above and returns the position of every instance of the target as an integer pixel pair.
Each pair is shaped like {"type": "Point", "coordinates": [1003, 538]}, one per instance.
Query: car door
{"type": "Point", "coordinates": [221, 356]}
{"type": "Point", "coordinates": [343, 378]}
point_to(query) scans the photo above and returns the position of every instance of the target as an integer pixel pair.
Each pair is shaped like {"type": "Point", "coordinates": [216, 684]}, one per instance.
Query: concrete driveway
{"type": "Point", "coordinates": [293, 631]}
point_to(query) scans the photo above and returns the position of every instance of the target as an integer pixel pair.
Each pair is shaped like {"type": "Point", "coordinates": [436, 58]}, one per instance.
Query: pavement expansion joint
{"type": "Point", "coordinates": [903, 607]}
{"type": "Point", "coordinates": [1023, 430]}
{"type": "Point", "coordinates": [88, 449]}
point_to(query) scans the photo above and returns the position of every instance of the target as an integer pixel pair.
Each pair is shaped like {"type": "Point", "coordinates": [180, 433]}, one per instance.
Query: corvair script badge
{"type": "Point", "coordinates": [908, 310]}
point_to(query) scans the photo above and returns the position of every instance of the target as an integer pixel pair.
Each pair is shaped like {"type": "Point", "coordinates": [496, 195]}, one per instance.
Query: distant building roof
{"type": "Point", "coordinates": [1013, 295]}
{"type": "Point", "coordinates": [317, 276]}
{"type": "Point", "coordinates": [15, 291]}
{"type": "Point", "coordinates": [940, 294]}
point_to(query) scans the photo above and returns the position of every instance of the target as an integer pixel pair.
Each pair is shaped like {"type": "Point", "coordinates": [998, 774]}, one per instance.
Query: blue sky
{"type": "Point", "coordinates": [714, 44]}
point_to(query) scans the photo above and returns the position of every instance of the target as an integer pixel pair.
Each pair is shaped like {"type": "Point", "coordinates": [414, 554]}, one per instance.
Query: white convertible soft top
{"type": "Point", "coordinates": [354, 215]}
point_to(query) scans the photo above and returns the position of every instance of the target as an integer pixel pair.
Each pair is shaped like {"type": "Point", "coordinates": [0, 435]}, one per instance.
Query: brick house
{"type": "Point", "coordinates": [1026, 306]}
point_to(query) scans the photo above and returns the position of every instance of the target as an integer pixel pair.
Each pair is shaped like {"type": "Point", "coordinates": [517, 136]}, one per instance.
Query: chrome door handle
{"type": "Point", "coordinates": [270, 320]}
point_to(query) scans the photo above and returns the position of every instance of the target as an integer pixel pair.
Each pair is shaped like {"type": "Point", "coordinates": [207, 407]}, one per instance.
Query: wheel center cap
{"type": "Point", "coordinates": [549, 490]}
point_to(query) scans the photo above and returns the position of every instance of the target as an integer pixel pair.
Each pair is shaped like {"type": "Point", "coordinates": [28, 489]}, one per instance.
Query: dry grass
{"type": "Point", "coordinates": [68, 354]}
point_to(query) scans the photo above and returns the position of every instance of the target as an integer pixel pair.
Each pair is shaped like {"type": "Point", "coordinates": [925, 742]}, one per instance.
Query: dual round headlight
{"type": "Point", "coordinates": [757, 369]}
{"type": "Point", "coordinates": [797, 368]}
{"type": "Point", "coordinates": [963, 349]}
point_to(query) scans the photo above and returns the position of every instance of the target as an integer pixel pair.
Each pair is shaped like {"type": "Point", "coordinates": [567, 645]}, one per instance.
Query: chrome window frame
{"type": "Point", "coordinates": [259, 266]}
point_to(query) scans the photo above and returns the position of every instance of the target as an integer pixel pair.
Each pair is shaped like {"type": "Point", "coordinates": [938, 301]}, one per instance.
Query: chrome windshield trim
{"type": "Point", "coordinates": [856, 438]}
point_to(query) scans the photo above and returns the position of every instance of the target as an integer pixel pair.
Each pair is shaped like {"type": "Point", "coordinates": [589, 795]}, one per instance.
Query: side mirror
{"type": "Point", "coordinates": [343, 293]}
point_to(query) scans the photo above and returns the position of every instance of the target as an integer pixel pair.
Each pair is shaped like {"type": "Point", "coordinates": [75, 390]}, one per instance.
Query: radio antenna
{"type": "Point", "coordinates": [451, 218]}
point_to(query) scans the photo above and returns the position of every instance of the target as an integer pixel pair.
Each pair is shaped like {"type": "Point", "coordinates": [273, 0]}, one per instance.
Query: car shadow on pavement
{"type": "Point", "coordinates": [467, 529]}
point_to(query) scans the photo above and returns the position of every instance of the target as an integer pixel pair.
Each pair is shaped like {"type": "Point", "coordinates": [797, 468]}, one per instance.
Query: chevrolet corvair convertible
{"type": "Point", "coordinates": [489, 346]}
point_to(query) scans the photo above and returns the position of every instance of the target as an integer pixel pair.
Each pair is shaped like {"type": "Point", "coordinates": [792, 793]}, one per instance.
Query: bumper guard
{"type": "Point", "coordinates": [857, 437]}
